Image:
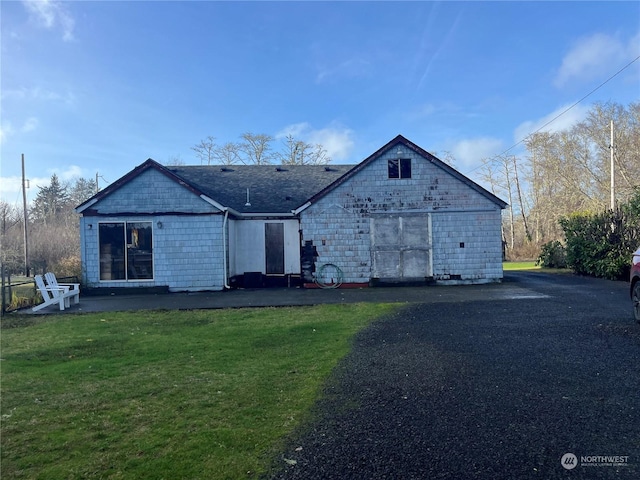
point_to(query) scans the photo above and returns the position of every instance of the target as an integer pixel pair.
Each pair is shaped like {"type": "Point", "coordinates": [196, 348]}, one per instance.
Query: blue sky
{"type": "Point", "coordinates": [91, 86]}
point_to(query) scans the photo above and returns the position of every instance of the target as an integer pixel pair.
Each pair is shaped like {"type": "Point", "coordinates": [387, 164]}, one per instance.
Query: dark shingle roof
{"type": "Point", "coordinates": [272, 188]}
{"type": "Point", "coordinates": [275, 189]}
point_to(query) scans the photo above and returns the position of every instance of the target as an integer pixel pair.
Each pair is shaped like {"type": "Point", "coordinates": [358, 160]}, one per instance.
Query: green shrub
{"type": "Point", "coordinates": [552, 255]}
{"type": "Point", "coordinates": [600, 244]}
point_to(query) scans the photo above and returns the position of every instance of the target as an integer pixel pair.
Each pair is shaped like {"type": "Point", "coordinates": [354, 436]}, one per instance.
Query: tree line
{"type": "Point", "coordinates": [564, 172]}
{"type": "Point", "coordinates": [53, 239]}
{"type": "Point", "coordinates": [260, 149]}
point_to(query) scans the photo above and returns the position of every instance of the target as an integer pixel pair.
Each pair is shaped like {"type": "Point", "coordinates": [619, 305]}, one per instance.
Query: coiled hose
{"type": "Point", "coordinates": [329, 276]}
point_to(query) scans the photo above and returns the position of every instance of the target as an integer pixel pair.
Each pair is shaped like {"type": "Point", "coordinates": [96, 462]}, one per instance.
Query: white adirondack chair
{"type": "Point", "coordinates": [68, 290]}
{"type": "Point", "coordinates": [48, 296]}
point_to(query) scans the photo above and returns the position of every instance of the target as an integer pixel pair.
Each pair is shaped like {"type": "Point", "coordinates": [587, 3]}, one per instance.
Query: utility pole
{"type": "Point", "coordinates": [613, 188]}
{"type": "Point", "coordinates": [24, 209]}
{"type": "Point", "coordinates": [97, 185]}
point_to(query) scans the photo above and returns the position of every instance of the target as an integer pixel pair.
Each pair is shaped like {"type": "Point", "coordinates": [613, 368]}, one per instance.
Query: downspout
{"type": "Point", "coordinates": [224, 248]}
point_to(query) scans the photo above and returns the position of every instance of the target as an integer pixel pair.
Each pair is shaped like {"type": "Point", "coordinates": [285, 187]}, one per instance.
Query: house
{"type": "Point", "coordinates": [399, 216]}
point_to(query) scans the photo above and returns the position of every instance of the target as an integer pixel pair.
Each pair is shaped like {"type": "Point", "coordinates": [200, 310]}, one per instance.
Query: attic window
{"type": "Point", "coordinates": [399, 167]}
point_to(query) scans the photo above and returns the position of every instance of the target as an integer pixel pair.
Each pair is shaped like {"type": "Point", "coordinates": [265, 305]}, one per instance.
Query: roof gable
{"type": "Point", "coordinates": [400, 140]}
{"type": "Point", "coordinates": [147, 166]}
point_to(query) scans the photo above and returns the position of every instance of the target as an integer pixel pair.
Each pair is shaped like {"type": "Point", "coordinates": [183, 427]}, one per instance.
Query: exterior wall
{"type": "Point", "coordinates": [467, 247]}
{"type": "Point", "coordinates": [339, 223]}
{"type": "Point", "coordinates": [187, 248]}
{"type": "Point", "coordinates": [187, 252]}
{"type": "Point", "coordinates": [247, 246]}
{"type": "Point", "coordinates": [152, 192]}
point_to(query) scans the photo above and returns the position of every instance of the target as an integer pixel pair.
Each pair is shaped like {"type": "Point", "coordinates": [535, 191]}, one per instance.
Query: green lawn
{"type": "Point", "coordinates": [520, 266]}
{"type": "Point", "coordinates": [204, 394]}
{"type": "Point", "coordinates": [513, 266]}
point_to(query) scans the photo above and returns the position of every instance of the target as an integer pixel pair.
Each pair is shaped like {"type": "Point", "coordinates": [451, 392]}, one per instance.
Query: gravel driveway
{"type": "Point", "coordinates": [485, 389]}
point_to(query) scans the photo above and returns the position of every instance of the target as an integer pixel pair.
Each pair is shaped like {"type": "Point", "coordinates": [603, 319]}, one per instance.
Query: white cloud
{"type": "Point", "coordinates": [11, 187]}
{"type": "Point", "coordinates": [71, 173]}
{"type": "Point", "coordinates": [7, 130]}
{"type": "Point", "coordinates": [51, 14]}
{"type": "Point", "coordinates": [595, 57]}
{"type": "Point", "coordinates": [564, 122]}
{"type": "Point", "coordinates": [336, 139]}
{"type": "Point", "coordinates": [29, 125]}
{"type": "Point", "coordinates": [38, 93]}
{"type": "Point", "coordinates": [295, 130]}
{"type": "Point", "coordinates": [470, 153]}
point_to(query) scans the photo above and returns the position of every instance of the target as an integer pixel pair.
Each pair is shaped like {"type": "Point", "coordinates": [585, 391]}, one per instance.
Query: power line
{"type": "Point", "coordinates": [560, 114]}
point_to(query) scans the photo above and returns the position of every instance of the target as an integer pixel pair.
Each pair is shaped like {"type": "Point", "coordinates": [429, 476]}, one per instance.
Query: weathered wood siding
{"type": "Point", "coordinates": [339, 224]}
{"type": "Point", "coordinates": [187, 248]}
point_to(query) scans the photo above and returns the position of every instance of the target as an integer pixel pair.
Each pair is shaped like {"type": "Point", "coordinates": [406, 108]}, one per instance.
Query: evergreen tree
{"type": "Point", "coordinates": [50, 202]}
{"type": "Point", "coordinates": [80, 191]}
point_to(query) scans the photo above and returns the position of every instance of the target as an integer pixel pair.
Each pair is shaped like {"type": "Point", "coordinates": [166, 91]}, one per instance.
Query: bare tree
{"type": "Point", "coordinates": [570, 170]}
{"type": "Point", "coordinates": [508, 189]}
{"type": "Point", "coordinates": [489, 177]}
{"type": "Point", "coordinates": [228, 154]}
{"type": "Point", "coordinates": [520, 201]}
{"type": "Point", "coordinates": [174, 161]}
{"type": "Point", "coordinates": [11, 237]}
{"type": "Point", "coordinates": [256, 148]}
{"type": "Point", "coordinates": [447, 157]}
{"type": "Point", "coordinates": [205, 150]}
{"type": "Point", "coordinates": [298, 152]}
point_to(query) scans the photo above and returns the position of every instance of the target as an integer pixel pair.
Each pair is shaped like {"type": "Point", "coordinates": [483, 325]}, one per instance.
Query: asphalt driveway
{"type": "Point", "coordinates": [485, 388]}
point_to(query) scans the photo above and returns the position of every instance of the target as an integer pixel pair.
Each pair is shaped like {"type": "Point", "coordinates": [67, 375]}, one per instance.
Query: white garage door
{"type": "Point", "coordinates": [401, 247]}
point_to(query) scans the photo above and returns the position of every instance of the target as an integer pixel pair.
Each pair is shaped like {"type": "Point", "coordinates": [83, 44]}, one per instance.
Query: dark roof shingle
{"type": "Point", "coordinates": [272, 188]}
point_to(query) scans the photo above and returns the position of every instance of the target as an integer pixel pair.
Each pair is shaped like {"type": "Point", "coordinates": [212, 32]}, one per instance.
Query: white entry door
{"type": "Point", "coordinates": [401, 247]}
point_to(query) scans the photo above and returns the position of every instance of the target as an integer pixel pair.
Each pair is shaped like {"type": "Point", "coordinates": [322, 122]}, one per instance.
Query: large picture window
{"type": "Point", "coordinates": [126, 251]}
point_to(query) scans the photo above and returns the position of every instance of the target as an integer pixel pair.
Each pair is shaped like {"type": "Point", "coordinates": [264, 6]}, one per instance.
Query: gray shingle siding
{"type": "Point", "coordinates": [444, 226]}
{"type": "Point", "coordinates": [339, 223]}
{"type": "Point", "coordinates": [187, 250]}
{"type": "Point", "coordinates": [152, 192]}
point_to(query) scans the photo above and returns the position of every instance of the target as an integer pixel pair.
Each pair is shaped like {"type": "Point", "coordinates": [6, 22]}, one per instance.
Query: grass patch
{"type": "Point", "coordinates": [520, 266]}
{"type": "Point", "coordinates": [21, 295]}
{"type": "Point", "coordinates": [515, 266]}
{"type": "Point", "coordinates": [165, 394]}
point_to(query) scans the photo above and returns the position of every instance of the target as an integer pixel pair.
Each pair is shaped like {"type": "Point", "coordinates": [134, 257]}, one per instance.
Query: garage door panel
{"type": "Point", "coordinates": [415, 263]}
{"type": "Point", "coordinates": [386, 264]}
{"type": "Point", "coordinates": [415, 231]}
{"type": "Point", "coordinates": [386, 232]}
{"type": "Point", "coordinates": [401, 247]}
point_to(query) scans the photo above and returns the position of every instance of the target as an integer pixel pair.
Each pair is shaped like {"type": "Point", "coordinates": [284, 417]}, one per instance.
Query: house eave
{"type": "Point", "coordinates": [301, 208]}
{"type": "Point", "coordinates": [219, 206]}
{"type": "Point", "coordinates": [83, 207]}
{"type": "Point", "coordinates": [248, 215]}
